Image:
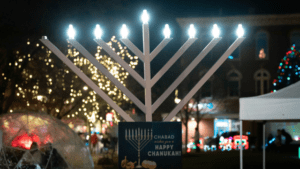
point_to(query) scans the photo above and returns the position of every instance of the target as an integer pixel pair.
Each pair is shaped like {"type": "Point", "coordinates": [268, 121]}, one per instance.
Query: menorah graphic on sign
{"type": "Point", "coordinates": [139, 139]}
{"type": "Point", "coordinates": [147, 82]}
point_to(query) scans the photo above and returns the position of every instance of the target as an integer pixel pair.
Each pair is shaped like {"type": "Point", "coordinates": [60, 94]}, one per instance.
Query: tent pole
{"type": "Point", "coordinates": [241, 145]}
{"type": "Point", "coordinates": [264, 145]}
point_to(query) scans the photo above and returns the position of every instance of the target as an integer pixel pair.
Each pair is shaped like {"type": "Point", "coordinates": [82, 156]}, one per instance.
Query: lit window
{"type": "Point", "coordinates": [262, 78]}
{"type": "Point", "coordinates": [261, 45]}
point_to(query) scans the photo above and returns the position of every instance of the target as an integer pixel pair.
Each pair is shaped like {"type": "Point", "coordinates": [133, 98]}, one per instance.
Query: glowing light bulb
{"type": "Point", "coordinates": [124, 31]}
{"type": "Point", "coordinates": [145, 17]}
{"type": "Point", "coordinates": [71, 32]}
{"type": "Point", "coordinates": [216, 31]}
{"type": "Point", "coordinates": [192, 31]}
{"type": "Point", "coordinates": [240, 31]}
{"type": "Point", "coordinates": [98, 32]}
{"type": "Point", "coordinates": [167, 31]}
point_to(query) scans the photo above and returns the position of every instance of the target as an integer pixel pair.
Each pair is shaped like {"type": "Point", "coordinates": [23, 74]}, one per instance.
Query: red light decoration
{"type": "Point", "coordinates": [23, 141]}
{"type": "Point", "coordinates": [245, 142]}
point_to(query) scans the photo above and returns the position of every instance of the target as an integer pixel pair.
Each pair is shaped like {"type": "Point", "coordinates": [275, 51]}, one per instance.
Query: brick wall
{"type": "Point", "coordinates": [206, 127]}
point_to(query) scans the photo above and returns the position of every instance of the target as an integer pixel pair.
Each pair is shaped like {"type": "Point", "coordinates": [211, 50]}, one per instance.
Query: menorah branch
{"type": "Point", "coordinates": [186, 72]}
{"type": "Point", "coordinates": [103, 70]}
{"type": "Point", "coordinates": [133, 48]}
{"type": "Point", "coordinates": [86, 79]}
{"type": "Point", "coordinates": [125, 65]}
{"type": "Point", "coordinates": [162, 44]}
{"type": "Point", "coordinates": [174, 58]}
{"type": "Point", "coordinates": [211, 71]}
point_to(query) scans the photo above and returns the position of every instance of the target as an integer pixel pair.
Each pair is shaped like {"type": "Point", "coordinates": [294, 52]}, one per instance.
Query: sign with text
{"type": "Point", "coordinates": [153, 145]}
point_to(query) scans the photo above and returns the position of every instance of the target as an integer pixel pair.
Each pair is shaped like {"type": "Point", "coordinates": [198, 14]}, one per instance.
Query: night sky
{"type": "Point", "coordinates": [21, 18]}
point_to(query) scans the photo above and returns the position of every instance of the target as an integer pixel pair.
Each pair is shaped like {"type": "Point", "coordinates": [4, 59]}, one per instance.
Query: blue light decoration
{"type": "Point", "coordinates": [230, 57]}
{"type": "Point", "coordinates": [271, 141]}
{"type": "Point", "coordinates": [210, 106]}
{"type": "Point", "coordinates": [288, 69]}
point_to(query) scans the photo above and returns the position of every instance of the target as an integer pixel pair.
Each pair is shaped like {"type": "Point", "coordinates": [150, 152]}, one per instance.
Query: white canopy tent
{"type": "Point", "coordinates": [281, 105]}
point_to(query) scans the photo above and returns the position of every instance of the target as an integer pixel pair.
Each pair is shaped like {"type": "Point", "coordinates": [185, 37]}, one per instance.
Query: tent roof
{"type": "Point", "coordinates": [281, 105]}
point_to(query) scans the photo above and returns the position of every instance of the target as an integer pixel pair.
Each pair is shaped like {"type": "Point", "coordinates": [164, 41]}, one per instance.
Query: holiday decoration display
{"type": "Point", "coordinates": [288, 70]}
{"type": "Point", "coordinates": [22, 129]}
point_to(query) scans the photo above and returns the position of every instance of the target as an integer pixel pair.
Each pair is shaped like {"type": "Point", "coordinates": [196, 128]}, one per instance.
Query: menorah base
{"type": "Point", "coordinates": [139, 166]}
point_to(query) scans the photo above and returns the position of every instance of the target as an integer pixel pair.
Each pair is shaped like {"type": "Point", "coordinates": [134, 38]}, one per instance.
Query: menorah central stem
{"type": "Point", "coordinates": [139, 155]}
{"type": "Point", "coordinates": [147, 72]}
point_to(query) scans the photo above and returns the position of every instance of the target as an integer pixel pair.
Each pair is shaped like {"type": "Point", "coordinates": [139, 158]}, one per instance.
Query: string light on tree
{"type": "Point", "coordinates": [288, 70]}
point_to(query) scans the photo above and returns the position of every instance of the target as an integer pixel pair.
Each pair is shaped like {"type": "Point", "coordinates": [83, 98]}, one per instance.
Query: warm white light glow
{"type": "Point", "coordinates": [177, 100]}
{"type": "Point", "coordinates": [98, 32]}
{"type": "Point", "coordinates": [85, 88]}
{"type": "Point", "coordinates": [200, 106]}
{"type": "Point", "coordinates": [71, 32]}
{"type": "Point", "coordinates": [216, 31]}
{"type": "Point", "coordinates": [39, 97]}
{"type": "Point", "coordinates": [192, 31]}
{"type": "Point", "coordinates": [124, 31]}
{"type": "Point", "coordinates": [190, 105]}
{"type": "Point", "coordinates": [145, 17]}
{"type": "Point", "coordinates": [167, 31]}
{"type": "Point", "coordinates": [240, 31]}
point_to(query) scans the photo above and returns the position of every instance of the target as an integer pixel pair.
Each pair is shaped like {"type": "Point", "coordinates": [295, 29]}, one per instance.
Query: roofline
{"type": "Point", "coordinates": [249, 20]}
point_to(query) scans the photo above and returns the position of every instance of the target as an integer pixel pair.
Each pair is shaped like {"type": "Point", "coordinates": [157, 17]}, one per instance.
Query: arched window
{"type": "Point", "coordinates": [262, 47]}
{"type": "Point", "coordinates": [234, 78]}
{"type": "Point", "coordinates": [295, 39]}
{"type": "Point", "coordinates": [262, 80]}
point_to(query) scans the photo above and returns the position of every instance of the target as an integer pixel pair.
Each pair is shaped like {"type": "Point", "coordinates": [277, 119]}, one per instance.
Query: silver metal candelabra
{"type": "Point", "coordinates": [138, 138]}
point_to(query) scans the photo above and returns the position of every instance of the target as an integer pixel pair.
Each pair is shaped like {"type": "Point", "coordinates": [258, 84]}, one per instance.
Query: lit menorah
{"type": "Point", "coordinates": [146, 56]}
{"type": "Point", "coordinates": [138, 138]}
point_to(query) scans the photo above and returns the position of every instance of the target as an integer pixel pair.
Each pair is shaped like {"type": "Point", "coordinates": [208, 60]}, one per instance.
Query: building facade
{"type": "Point", "coordinates": [248, 71]}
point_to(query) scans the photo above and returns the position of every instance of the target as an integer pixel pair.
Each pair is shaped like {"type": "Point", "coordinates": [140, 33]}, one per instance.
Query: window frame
{"type": "Point", "coordinates": [262, 79]}
{"type": "Point", "coordinates": [268, 45]}
{"type": "Point", "coordinates": [238, 79]}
